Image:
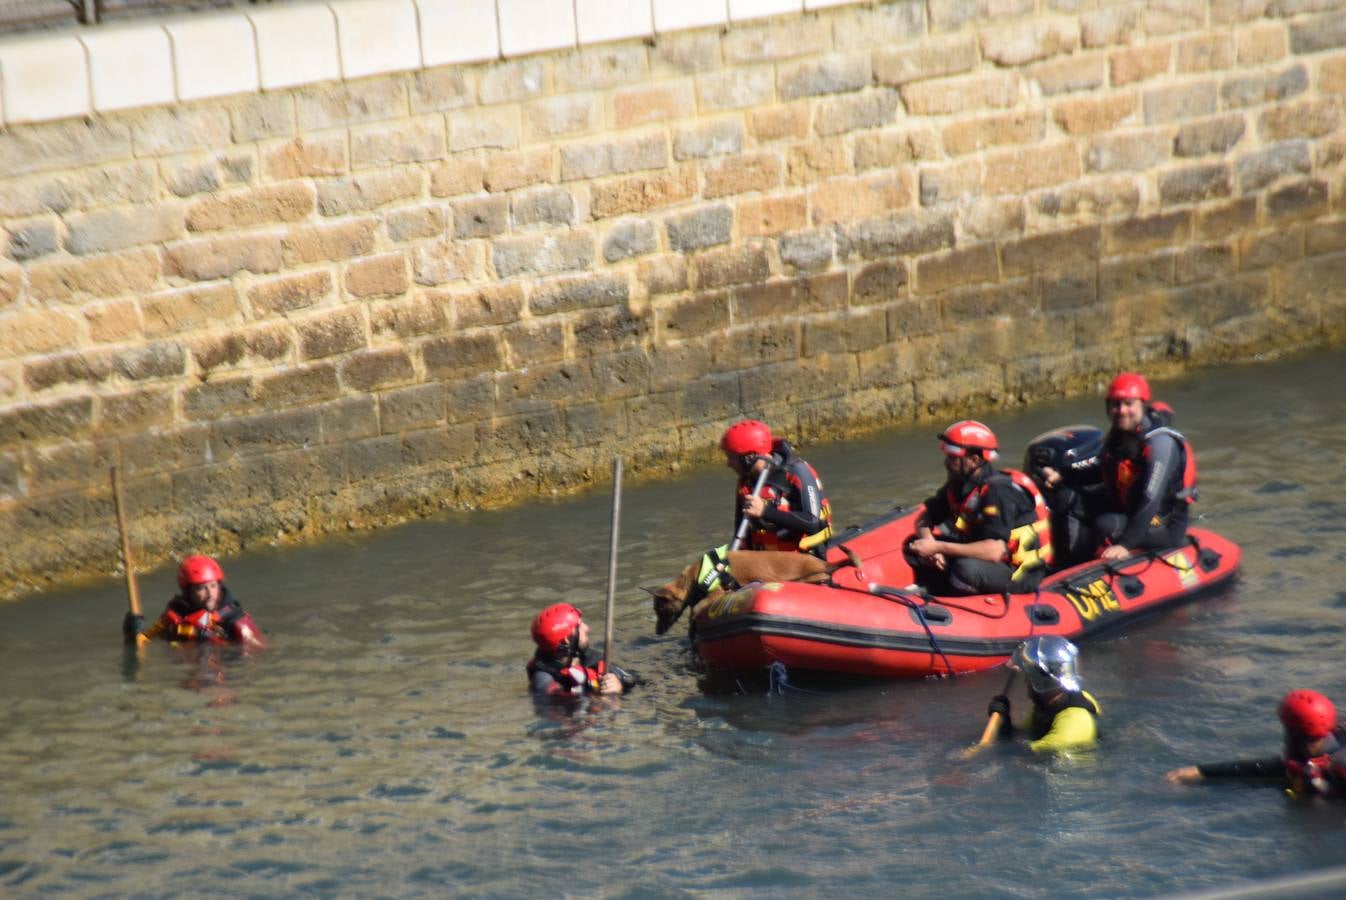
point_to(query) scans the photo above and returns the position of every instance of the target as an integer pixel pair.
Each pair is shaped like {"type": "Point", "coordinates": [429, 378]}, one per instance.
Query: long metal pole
{"type": "Point", "coordinates": [612, 557]}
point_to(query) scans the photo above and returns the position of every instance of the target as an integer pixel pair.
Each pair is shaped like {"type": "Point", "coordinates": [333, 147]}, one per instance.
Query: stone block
{"type": "Point", "coordinates": [1260, 44]}
{"type": "Point", "coordinates": [456, 32]}
{"type": "Point", "coordinates": [581, 292]}
{"type": "Point", "coordinates": [542, 206]}
{"type": "Point", "coordinates": [111, 275]}
{"type": "Point", "coordinates": [675, 15]}
{"type": "Point", "coordinates": [974, 134]}
{"type": "Point", "coordinates": [462, 355]}
{"type": "Point", "coordinates": [297, 386]}
{"type": "Point", "coordinates": [162, 359]}
{"type": "Point", "coordinates": [328, 242]}
{"type": "Point", "coordinates": [1174, 16]}
{"type": "Point", "coordinates": [1254, 90]}
{"type": "Point", "coordinates": [1325, 237]}
{"type": "Point", "coordinates": [663, 275]}
{"type": "Point", "coordinates": [929, 59]}
{"type": "Point", "coordinates": [767, 300]}
{"type": "Point", "coordinates": [457, 175]}
{"type": "Point", "coordinates": [1063, 76]}
{"type": "Point", "coordinates": [534, 343]}
{"type": "Point", "coordinates": [1016, 301]}
{"type": "Point", "coordinates": [1204, 262]}
{"type": "Point", "coordinates": [726, 266]}
{"type": "Point", "coordinates": [135, 411]}
{"type": "Point", "coordinates": [657, 103]}
{"type": "Point", "coordinates": [407, 318]}
{"type": "Point", "coordinates": [480, 217]}
{"type": "Point", "coordinates": [870, 109]}
{"type": "Point", "coordinates": [78, 368]}
{"type": "Point", "coordinates": [912, 233]}
{"type": "Point", "coordinates": [1305, 119]}
{"type": "Point", "coordinates": [330, 333]}
{"type": "Point", "coordinates": [830, 74]}
{"type": "Point", "coordinates": [706, 313]}
{"type": "Point", "coordinates": [1315, 34]}
{"type": "Point", "coordinates": [591, 68]}
{"type": "Point", "coordinates": [1225, 220]}
{"type": "Point", "coordinates": [36, 331]}
{"type": "Point", "coordinates": [542, 254]}
{"type": "Point", "coordinates": [813, 162]}
{"type": "Point", "coordinates": [606, 331]}
{"type": "Point", "coordinates": [1107, 26]}
{"type": "Point", "coordinates": [778, 123]}
{"type": "Point", "coordinates": [1179, 102]}
{"type": "Point", "coordinates": [260, 116]}
{"type": "Point", "coordinates": [949, 96]}
{"type": "Point", "coordinates": [370, 370]}
{"type": "Point", "coordinates": [707, 226]}
{"type": "Point", "coordinates": [1074, 249]}
{"type": "Point", "coordinates": [739, 88]}
{"type": "Point", "coordinates": [509, 171]}
{"type": "Point", "coordinates": [1258, 169]}
{"type": "Point", "coordinates": [762, 216]}
{"type": "Point", "coordinates": [288, 293]}
{"type": "Point", "coordinates": [105, 230]}
{"type": "Point", "coordinates": [368, 191]}
{"type": "Point", "coordinates": [792, 37]}
{"type": "Point", "coordinates": [419, 406]}
{"type": "Point", "coordinates": [1205, 53]}
{"type": "Point", "coordinates": [289, 202]}
{"type": "Point", "coordinates": [741, 174]}
{"type": "Point", "coordinates": [880, 282]}
{"type": "Point", "coordinates": [1133, 276]}
{"type": "Point", "coordinates": [843, 200]}
{"type": "Point", "coordinates": [489, 128]}
{"type": "Point", "coordinates": [1090, 115]}
{"type": "Point", "coordinates": [375, 36]}
{"type": "Point", "coordinates": [280, 30]}
{"type": "Point", "coordinates": [45, 78]}
{"type": "Point", "coordinates": [629, 238]}
{"type": "Point", "coordinates": [30, 240]}
{"type": "Point", "coordinates": [384, 275]}
{"type": "Point", "coordinates": [1307, 199]}
{"type": "Point", "coordinates": [807, 250]}
{"type": "Point", "coordinates": [1137, 151]}
{"type": "Point", "coordinates": [264, 433]}
{"type": "Point", "coordinates": [444, 260]}
{"type": "Point", "coordinates": [113, 322]}
{"type": "Point", "coordinates": [1193, 184]}
{"type": "Point", "coordinates": [751, 347]}
{"type": "Point", "coordinates": [1017, 45]}
{"type": "Point", "coordinates": [213, 56]}
{"type": "Point", "coordinates": [1018, 171]}
{"type": "Point", "coordinates": [427, 221]}
{"type": "Point", "coordinates": [613, 157]}
{"type": "Point", "coordinates": [1210, 136]}
{"type": "Point", "coordinates": [187, 309]}
{"type": "Point", "coordinates": [531, 26]}
{"type": "Point", "coordinates": [1148, 232]}
{"type": "Point", "coordinates": [71, 143]}
{"type": "Point", "coordinates": [698, 140]}
{"type": "Point", "coordinates": [268, 342]}
{"type": "Point", "coordinates": [209, 258]}
{"type": "Point", "coordinates": [35, 423]}
{"type": "Point", "coordinates": [883, 25]}
{"type": "Point", "coordinates": [129, 66]}
{"type": "Point", "coordinates": [1139, 63]}
{"type": "Point", "coordinates": [414, 140]}
{"type": "Point", "coordinates": [553, 117]}
{"type": "Point", "coordinates": [977, 264]}
{"type": "Point", "coordinates": [495, 304]}
{"type": "Point", "coordinates": [1332, 75]}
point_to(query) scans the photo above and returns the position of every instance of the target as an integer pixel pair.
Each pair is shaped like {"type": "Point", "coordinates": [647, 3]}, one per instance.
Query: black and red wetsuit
{"type": "Point", "coordinates": [549, 677]}
{"type": "Point", "coordinates": [796, 507]}
{"type": "Point", "coordinates": [182, 620]}
{"type": "Point", "coordinates": [1150, 480]}
{"type": "Point", "coordinates": [1323, 775]}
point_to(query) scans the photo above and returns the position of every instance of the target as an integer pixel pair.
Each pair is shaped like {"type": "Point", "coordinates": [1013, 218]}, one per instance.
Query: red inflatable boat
{"type": "Point", "coordinates": [864, 624]}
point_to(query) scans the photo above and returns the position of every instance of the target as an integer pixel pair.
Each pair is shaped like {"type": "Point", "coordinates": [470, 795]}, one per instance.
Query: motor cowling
{"type": "Point", "coordinates": [1069, 450]}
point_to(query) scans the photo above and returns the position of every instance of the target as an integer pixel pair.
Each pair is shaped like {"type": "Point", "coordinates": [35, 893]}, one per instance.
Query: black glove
{"type": "Point", "coordinates": [131, 625]}
{"type": "Point", "coordinates": [999, 704]}
{"type": "Point", "coordinates": [627, 679]}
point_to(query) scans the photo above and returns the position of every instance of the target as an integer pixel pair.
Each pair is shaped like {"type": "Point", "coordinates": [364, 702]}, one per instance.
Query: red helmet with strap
{"type": "Point", "coordinates": [198, 570]}
{"type": "Point", "coordinates": [1129, 386]}
{"type": "Point", "coordinates": [961, 437]}
{"type": "Point", "coordinates": [555, 625]}
{"type": "Point", "coordinates": [1308, 714]}
{"type": "Point", "coordinates": [747, 437]}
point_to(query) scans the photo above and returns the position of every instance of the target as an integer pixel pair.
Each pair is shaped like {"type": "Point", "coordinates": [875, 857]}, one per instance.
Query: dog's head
{"type": "Point", "coordinates": [671, 599]}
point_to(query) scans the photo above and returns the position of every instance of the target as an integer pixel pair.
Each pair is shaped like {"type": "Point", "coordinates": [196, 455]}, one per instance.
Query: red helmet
{"type": "Point", "coordinates": [1308, 714]}
{"type": "Point", "coordinates": [1129, 386]}
{"type": "Point", "coordinates": [554, 625]}
{"type": "Point", "coordinates": [198, 570]}
{"type": "Point", "coordinates": [969, 434]}
{"type": "Point", "coordinates": [748, 436]}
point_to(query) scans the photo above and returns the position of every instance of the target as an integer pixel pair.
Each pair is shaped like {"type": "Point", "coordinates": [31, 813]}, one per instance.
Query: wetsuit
{"type": "Point", "coordinates": [1066, 721]}
{"type": "Point", "coordinates": [549, 677]}
{"type": "Point", "coordinates": [987, 505]}
{"type": "Point", "coordinates": [797, 514]}
{"type": "Point", "coordinates": [1323, 775]}
{"type": "Point", "coordinates": [182, 620]}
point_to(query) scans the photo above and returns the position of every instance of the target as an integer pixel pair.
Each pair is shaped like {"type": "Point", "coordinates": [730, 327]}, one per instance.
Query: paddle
{"type": "Point", "coordinates": [993, 721]}
{"type": "Point", "coordinates": [132, 589]}
{"type": "Point", "coordinates": [742, 534]}
{"type": "Point", "coordinates": [612, 558]}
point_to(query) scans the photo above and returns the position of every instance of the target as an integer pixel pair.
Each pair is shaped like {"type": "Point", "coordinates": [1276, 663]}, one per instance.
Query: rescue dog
{"type": "Point", "coordinates": [719, 571]}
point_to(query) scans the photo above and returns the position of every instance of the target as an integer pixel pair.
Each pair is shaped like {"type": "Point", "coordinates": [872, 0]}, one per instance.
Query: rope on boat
{"type": "Point", "coordinates": [911, 603]}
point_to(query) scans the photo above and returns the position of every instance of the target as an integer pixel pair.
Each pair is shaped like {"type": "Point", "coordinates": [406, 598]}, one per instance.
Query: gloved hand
{"type": "Point", "coordinates": [131, 625]}
{"type": "Point", "coordinates": [999, 704]}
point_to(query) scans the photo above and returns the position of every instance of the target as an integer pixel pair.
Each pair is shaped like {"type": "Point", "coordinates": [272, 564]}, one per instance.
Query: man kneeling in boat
{"type": "Point", "coordinates": [202, 611]}
{"type": "Point", "coordinates": [560, 666]}
{"type": "Point", "coordinates": [987, 531]}
{"type": "Point", "coordinates": [1313, 763]}
{"type": "Point", "coordinates": [790, 512]}
{"type": "Point", "coordinates": [1064, 715]}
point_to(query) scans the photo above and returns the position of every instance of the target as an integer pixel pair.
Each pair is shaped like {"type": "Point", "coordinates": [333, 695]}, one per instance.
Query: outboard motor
{"type": "Point", "coordinates": [1069, 450]}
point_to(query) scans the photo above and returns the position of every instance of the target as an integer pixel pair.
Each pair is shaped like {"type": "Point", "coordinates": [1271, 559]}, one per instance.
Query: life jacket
{"type": "Point", "coordinates": [1043, 716]}
{"type": "Point", "coordinates": [575, 678]}
{"type": "Point", "coordinates": [780, 484]}
{"type": "Point", "coordinates": [1120, 469]}
{"type": "Point", "coordinates": [1030, 544]}
{"type": "Point", "coordinates": [182, 621]}
{"type": "Point", "coordinates": [1323, 775]}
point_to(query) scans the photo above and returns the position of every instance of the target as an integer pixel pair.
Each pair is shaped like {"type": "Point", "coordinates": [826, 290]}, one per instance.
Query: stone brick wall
{"type": "Point", "coordinates": [349, 302]}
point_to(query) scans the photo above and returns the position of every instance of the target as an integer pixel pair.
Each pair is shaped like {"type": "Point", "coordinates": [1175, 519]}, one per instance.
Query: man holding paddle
{"type": "Point", "coordinates": [1064, 716]}
{"type": "Point", "coordinates": [203, 610]}
{"type": "Point", "coordinates": [779, 495]}
{"type": "Point", "coordinates": [560, 666]}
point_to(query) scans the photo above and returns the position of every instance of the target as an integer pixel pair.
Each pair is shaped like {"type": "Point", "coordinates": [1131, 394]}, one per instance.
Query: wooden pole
{"type": "Point", "coordinates": [132, 590]}
{"type": "Point", "coordinates": [612, 557]}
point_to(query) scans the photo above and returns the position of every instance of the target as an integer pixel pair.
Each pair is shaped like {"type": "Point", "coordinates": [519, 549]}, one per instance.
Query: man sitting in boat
{"type": "Point", "coordinates": [560, 666]}
{"type": "Point", "coordinates": [203, 610]}
{"type": "Point", "coordinates": [1313, 763]}
{"type": "Point", "coordinates": [1064, 715]}
{"type": "Point", "coordinates": [1148, 475]}
{"type": "Point", "coordinates": [790, 511]}
{"type": "Point", "coordinates": [987, 531]}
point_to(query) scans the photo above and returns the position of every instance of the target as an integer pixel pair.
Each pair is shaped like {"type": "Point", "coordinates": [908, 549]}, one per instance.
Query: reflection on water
{"type": "Point", "coordinates": [386, 745]}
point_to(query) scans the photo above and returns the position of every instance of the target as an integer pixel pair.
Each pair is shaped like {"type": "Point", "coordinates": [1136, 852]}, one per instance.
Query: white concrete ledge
{"type": "Point", "coordinates": [47, 76]}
